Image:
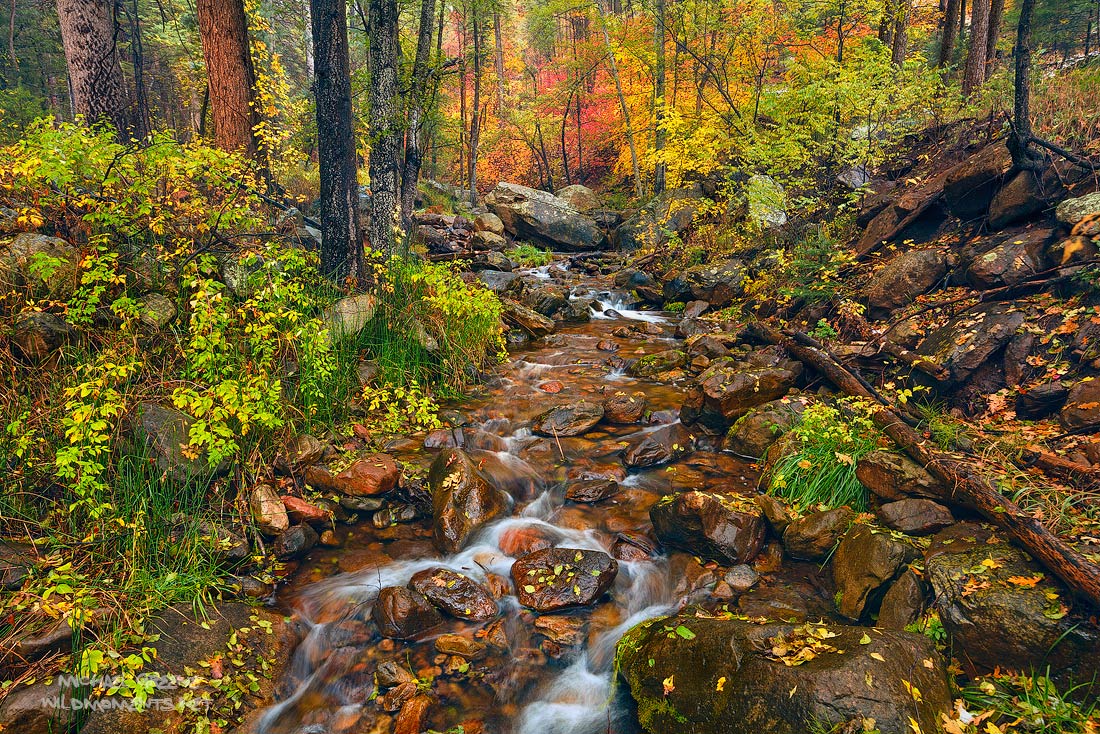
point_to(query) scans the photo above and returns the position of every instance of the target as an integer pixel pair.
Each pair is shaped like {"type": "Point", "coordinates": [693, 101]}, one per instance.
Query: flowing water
{"type": "Point", "coordinates": [555, 678]}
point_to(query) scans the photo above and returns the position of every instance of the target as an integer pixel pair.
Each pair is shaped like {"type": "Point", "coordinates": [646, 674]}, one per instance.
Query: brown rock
{"type": "Point", "coordinates": [892, 476]}
{"type": "Point", "coordinates": [463, 499]}
{"type": "Point", "coordinates": [560, 578]}
{"type": "Point", "coordinates": [1082, 405]}
{"type": "Point", "coordinates": [301, 511]}
{"type": "Point", "coordinates": [411, 718]}
{"type": "Point", "coordinates": [916, 516]}
{"type": "Point", "coordinates": [624, 409]}
{"type": "Point", "coordinates": [454, 593]}
{"type": "Point", "coordinates": [903, 603]}
{"type": "Point", "coordinates": [403, 614]}
{"type": "Point", "coordinates": [815, 536]}
{"type": "Point", "coordinates": [725, 528]}
{"type": "Point", "coordinates": [524, 539]}
{"type": "Point", "coordinates": [591, 491]}
{"type": "Point", "coordinates": [569, 420]}
{"type": "Point", "coordinates": [268, 512]}
{"type": "Point", "coordinates": [864, 563]}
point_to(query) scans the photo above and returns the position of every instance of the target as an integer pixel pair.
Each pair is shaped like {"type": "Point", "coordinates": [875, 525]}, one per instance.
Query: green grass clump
{"type": "Point", "coordinates": [820, 467]}
{"type": "Point", "coordinates": [1033, 704]}
{"type": "Point", "coordinates": [529, 256]}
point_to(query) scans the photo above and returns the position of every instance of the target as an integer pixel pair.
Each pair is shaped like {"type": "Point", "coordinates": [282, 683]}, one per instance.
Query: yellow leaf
{"type": "Point", "coordinates": [914, 726]}
{"type": "Point", "coordinates": [721, 684]}
{"type": "Point", "coordinates": [668, 685]}
{"type": "Point", "coordinates": [878, 657]}
{"type": "Point", "coordinates": [992, 728]}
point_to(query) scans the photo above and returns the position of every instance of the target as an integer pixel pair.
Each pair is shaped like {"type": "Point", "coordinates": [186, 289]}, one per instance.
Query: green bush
{"type": "Point", "coordinates": [529, 256]}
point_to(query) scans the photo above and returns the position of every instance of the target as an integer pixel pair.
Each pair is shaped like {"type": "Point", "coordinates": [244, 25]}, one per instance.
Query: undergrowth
{"type": "Point", "coordinates": [529, 256]}
{"type": "Point", "coordinates": [1029, 703]}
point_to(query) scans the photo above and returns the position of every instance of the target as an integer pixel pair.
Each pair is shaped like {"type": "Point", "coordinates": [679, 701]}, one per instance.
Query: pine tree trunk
{"type": "Point", "coordinates": [341, 239]}
{"type": "Point", "coordinates": [96, 84]}
{"type": "Point", "coordinates": [974, 74]}
{"type": "Point", "coordinates": [385, 128]}
{"type": "Point", "coordinates": [949, 32]}
{"type": "Point", "coordinates": [421, 77]}
{"type": "Point", "coordinates": [475, 117]}
{"type": "Point", "coordinates": [659, 94]}
{"type": "Point", "coordinates": [900, 40]}
{"type": "Point", "coordinates": [996, 14]}
{"type": "Point", "coordinates": [230, 75]}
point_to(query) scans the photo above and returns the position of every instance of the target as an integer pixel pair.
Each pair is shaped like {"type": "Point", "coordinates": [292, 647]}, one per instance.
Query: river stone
{"type": "Point", "coordinates": [865, 561]}
{"type": "Point", "coordinates": [623, 409]}
{"type": "Point", "coordinates": [37, 335]}
{"type": "Point", "coordinates": [1002, 624]}
{"type": "Point", "coordinates": [813, 537]}
{"type": "Point", "coordinates": [463, 499]}
{"type": "Point", "coordinates": [464, 647]}
{"type": "Point", "coordinates": [902, 279]}
{"type": "Point", "coordinates": [560, 578]}
{"type": "Point", "coordinates": [268, 513]}
{"type": "Point", "coordinates": [893, 476]}
{"type": "Point", "coordinates": [666, 444]}
{"type": "Point", "coordinates": [520, 317]}
{"type": "Point", "coordinates": [545, 299]}
{"type": "Point", "coordinates": [964, 344]}
{"type": "Point", "coordinates": [724, 528]}
{"type": "Point", "coordinates": [655, 364]}
{"type": "Point", "coordinates": [403, 614]}
{"type": "Point", "coordinates": [716, 283]}
{"type": "Point", "coordinates": [730, 389]}
{"type": "Point", "coordinates": [754, 432]}
{"type": "Point", "coordinates": [295, 541]}
{"type": "Point", "coordinates": [1072, 211]}
{"type": "Point", "coordinates": [591, 491]}
{"type": "Point", "coordinates": [915, 516]}
{"type": "Point", "coordinates": [777, 603]}
{"type": "Point", "coordinates": [370, 476]}
{"type": "Point", "coordinates": [581, 198]}
{"type": "Point", "coordinates": [540, 216]}
{"type": "Point", "coordinates": [720, 676]}
{"type": "Point", "coordinates": [456, 594]}
{"type": "Point", "coordinates": [489, 222]}
{"type": "Point", "coordinates": [1082, 406]}
{"type": "Point", "coordinates": [568, 420]}
{"type": "Point", "coordinates": [903, 602]}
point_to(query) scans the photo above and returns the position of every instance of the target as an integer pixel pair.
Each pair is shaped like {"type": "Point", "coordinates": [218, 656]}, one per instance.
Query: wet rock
{"type": "Point", "coordinates": [1082, 406]}
{"type": "Point", "coordinates": [463, 499]}
{"type": "Point", "coordinates": [892, 476]}
{"type": "Point", "coordinates": [250, 587]}
{"type": "Point", "coordinates": [403, 614]}
{"type": "Point", "coordinates": [538, 215]}
{"type": "Point", "coordinates": [776, 513]}
{"type": "Point", "coordinates": [524, 539]}
{"type": "Point", "coordinates": [969, 187]}
{"type": "Point", "coordinates": [546, 299]}
{"type": "Point", "coordinates": [624, 409]}
{"type": "Point", "coordinates": [716, 283]}
{"type": "Point", "coordinates": [581, 198]}
{"type": "Point", "coordinates": [300, 451]}
{"type": "Point", "coordinates": [560, 578]}
{"type": "Point", "coordinates": [268, 513]}
{"type": "Point", "coordinates": [301, 511]}
{"type": "Point", "coordinates": [741, 578]}
{"type": "Point", "coordinates": [397, 696]}
{"type": "Point", "coordinates": [707, 346]}
{"type": "Point", "coordinates": [655, 364]}
{"type": "Point", "coordinates": [496, 281]}
{"type": "Point", "coordinates": [672, 212]}
{"type": "Point", "coordinates": [1074, 250]}
{"type": "Point", "coordinates": [754, 432]}
{"type": "Point", "coordinates": [361, 504]}
{"type": "Point", "coordinates": [813, 537]}
{"type": "Point", "coordinates": [167, 433]}
{"type": "Point", "coordinates": [349, 316]}
{"type": "Point", "coordinates": [390, 674]}
{"type": "Point", "coordinates": [902, 604]}
{"type": "Point", "coordinates": [369, 476]}
{"type": "Point", "coordinates": [865, 561]}
{"type": "Point", "coordinates": [728, 390]}
{"type": "Point", "coordinates": [591, 491]}
{"type": "Point", "coordinates": [666, 444]}
{"type": "Point", "coordinates": [1003, 624]}
{"type": "Point", "coordinates": [295, 541]}
{"type": "Point", "coordinates": [410, 720]}
{"type": "Point", "coordinates": [1041, 401]}
{"type": "Point", "coordinates": [729, 677]}
{"type": "Point", "coordinates": [569, 420]}
{"type": "Point", "coordinates": [330, 539]}
{"type": "Point", "coordinates": [633, 547]}
{"type": "Point", "coordinates": [1023, 196]}
{"type": "Point", "coordinates": [900, 281]}
{"type": "Point", "coordinates": [915, 516]}
{"type": "Point", "coordinates": [1072, 212]}
{"type": "Point", "coordinates": [1009, 262]}
{"type": "Point", "coordinates": [37, 335]}
{"type": "Point", "coordinates": [777, 603]}
{"type": "Point", "coordinates": [964, 344]}
{"type": "Point", "coordinates": [561, 629]}
{"type": "Point", "coordinates": [454, 593]}
{"type": "Point", "coordinates": [725, 528]}
{"type": "Point", "coordinates": [461, 646]}
{"type": "Point", "coordinates": [531, 322]}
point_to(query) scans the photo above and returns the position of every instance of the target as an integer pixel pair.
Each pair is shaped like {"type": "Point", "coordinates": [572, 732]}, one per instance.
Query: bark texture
{"type": "Point", "coordinates": [421, 82]}
{"type": "Point", "coordinates": [230, 74]}
{"type": "Point", "coordinates": [974, 74]}
{"type": "Point", "coordinates": [385, 127]}
{"type": "Point", "coordinates": [341, 240]}
{"type": "Point", "coordinates": [88, 33]}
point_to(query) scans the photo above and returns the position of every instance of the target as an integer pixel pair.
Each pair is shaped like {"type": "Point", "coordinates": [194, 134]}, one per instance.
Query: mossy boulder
{"type": "Point", "coordinates": [693, 675]}
{"type": "Point", "coordinates": [655, 364]}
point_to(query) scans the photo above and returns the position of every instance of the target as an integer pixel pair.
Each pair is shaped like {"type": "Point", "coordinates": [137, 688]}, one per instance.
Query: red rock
{"type": "Point", "coordinates": [552, 387]}
{"type": "Point", "coordinates": [366, 477]}
{"type": "Point", "coordinates": [302, 511]}
{"type": "Point", "coordinates": [520, 541]}
{"type": "Point", "coordinates": [411, 718]}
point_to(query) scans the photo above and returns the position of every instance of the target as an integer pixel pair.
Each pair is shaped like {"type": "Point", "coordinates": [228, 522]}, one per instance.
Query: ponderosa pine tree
{"type": "Point", "coordinates": [88, 32]}
{"type": "Point", "coordinates": [418, 95]}
{"type": "Point", "coordinates": [341, 239]}
{"type": "Point", "coordinates": [385, 124]}
{"type": "Point", "coordinates": [230, 75]}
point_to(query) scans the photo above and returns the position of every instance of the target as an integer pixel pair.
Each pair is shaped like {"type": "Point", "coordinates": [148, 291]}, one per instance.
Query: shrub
{"type": "Point", "coordinates": [529, 256]}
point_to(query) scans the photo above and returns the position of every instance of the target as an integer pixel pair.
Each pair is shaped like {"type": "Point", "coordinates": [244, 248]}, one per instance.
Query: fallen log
{"type": "Point", "coordinates": [964, 486]}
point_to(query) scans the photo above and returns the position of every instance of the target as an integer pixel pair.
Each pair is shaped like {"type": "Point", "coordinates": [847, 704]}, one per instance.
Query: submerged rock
{"type": "Point", "coordinates": [569, 420]}
{"type": "Point", "coordinates": [561, 578]}
{"type": "Point", "coordinates": [403, 614]}
{"type": "Point", "coordinates": [724, 676]}
{"type": "Point", "coordinates": [725, 528]}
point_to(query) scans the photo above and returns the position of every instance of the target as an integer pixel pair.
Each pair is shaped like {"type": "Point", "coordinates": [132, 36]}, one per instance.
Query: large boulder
{"type": "Point", "coordinates": [866, 561]}
{"type": "Point", "coordinates": [38, 334]}
{"type": "Point", "coordinates": [970, 187]}
{"type": "Point", "coordinates": [671, 213]}
{"type": "Point", "coordinates": [167, 433]}
{"type": "Point", "coordinates": [581, 198]}
{"type": "Point", "coordinates": [1072, 212]}
{"type": "Point", "coordinates": [50, 266]}
{"type": "Point", "coordinates": [693, 675]}
{"type": "Point", "coordinates": [538, 215]}
{"type": "Point", "coordinates": [766, 202]}
{"type": "Point", "coordinates": [754, 432]}
{"type": "Point", "coordinates": [1023, 196]}
{"type": "Point", "coordinates": [1082, 406]}
{"type": "Point", "coordinates": [552, 579]}
{"type": "Point", "coordinates": [518, 316]}
{"type": "Point", "coordinates": [891, 476]}
{"type": "Point", "coordinates": [463, 499]}
{"type": "Point", "coordinates": [569, 420]}
{"type": "Point", "coordinates": [349, 316]}
{"type": "Point", "coordinates": [657, 363]}
{"type": "Point", "coordinates": [815, 536]}
{"type": "Point", "coordinates": [716, 283]}
{"type": "Point", "coordinates": [1003, 610]}
{"type": "Point", "coordinates": [965, 343]}
{"type": "Point", "coordinates": [729, 389]}
{"type": "Point", "coordinates": [903, 278]}
{"type": "Point", "coordinates": [724, 528]}
{"type": "Point", "coordinates": [915, 516]}
{"type": "Point", "coordinates": [1009, 262]}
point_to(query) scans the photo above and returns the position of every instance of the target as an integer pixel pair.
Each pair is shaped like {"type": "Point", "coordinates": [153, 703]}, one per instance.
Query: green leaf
{"type": "Point", "coordinates": [685, 633]}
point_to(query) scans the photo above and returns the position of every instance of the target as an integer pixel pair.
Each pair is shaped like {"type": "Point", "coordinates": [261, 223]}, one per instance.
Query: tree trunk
{"type": "Point", "coordinates": [1019, 140]}
{"type": "Point", "coordinates": [614, 68]}
{"type": "Point", "coordinates": [900, 40]}
{"type": "Point", "coordinates": [974, 74]}
{"type": "Point", "coordinates": [475, 117]}
{"type": "Point", "coordinates": [421, 78]}
{"type": "Point", "coordinates": [385, 128]}
{"type": "Point", "coordinates": [341, 239]}
{"type": "Point", "coordinates": [996, 14]}
{"type": "Point", "coordinates": [232, 79]}
{"type": "Point", "coordinates": [142, 125]}
{"type": "Point", "coordinates": [659, 84]}
{"type": "Point", "coordinates": [949, 32]}
{"type": "Point", "coordinates": [96, 84]}
{"type": "Point", "coordinates": [499, 61]}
